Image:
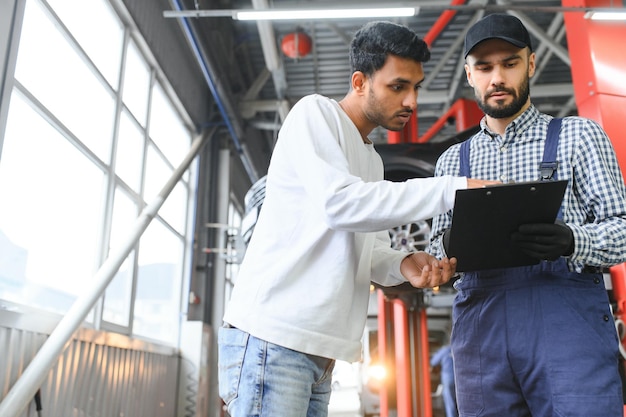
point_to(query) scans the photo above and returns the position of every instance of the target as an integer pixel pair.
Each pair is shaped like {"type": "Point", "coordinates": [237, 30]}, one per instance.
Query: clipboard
{"type": "Point", "coordinates": [484, 218]}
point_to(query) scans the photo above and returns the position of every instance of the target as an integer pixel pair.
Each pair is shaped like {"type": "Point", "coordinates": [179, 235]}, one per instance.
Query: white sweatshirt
{"type": "Point", "coordinates": [322, 234]}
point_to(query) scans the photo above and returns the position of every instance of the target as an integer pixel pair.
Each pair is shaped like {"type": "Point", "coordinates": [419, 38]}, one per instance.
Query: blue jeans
{"type": "Point", "coordinates": [257, 378]}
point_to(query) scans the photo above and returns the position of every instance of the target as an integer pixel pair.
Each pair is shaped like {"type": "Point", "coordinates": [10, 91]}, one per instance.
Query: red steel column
{"type": "Point", "coordinates": [403, 357]}
{"type": "Point", "coordinates": [424, 364]}
{"type": "Point", "coordinates": [385, 353]}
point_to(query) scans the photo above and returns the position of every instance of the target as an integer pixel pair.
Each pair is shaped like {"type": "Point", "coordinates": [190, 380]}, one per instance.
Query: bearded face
{"type": "Point", "coordinates": [502, 110]}
{"type": "Point", "coordinates": [500, 72]}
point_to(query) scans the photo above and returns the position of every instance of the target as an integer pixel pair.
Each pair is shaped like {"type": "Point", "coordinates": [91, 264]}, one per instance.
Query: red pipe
{"type": "Point", "coordinates": [409, 133]}
{"type": "Point", "coordinates": [403, 359]}
{"type": "Point", "coordinates": [436, 127]}
{"type": "Point", "coordinates": [385, 352]}
{"type": "Point", "coordinates": [441, 23]}
{"type": "Point", "coordinates": [465, 112]}
{"type": "Point", "coordinates": [425, 364]}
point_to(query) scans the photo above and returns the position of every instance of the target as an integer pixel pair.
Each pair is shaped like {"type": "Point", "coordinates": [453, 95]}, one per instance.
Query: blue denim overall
{"type": "Point", "coordinates": [537, 340]}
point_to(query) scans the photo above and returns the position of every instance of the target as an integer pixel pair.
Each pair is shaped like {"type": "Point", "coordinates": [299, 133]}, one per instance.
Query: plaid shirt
{"type": "Point", "coordinates": [594, 206]}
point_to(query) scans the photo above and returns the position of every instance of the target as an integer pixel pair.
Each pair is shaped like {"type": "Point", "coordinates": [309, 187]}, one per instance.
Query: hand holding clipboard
{"type": "Point", "coordinates": [485, 219]}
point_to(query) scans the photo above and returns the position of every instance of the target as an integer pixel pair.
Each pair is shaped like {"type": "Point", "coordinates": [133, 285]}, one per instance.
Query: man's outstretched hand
{"type": "Point", "coordinates": [425, 271]}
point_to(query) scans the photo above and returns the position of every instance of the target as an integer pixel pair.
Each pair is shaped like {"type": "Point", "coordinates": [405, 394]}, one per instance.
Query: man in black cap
{"type": "Point", "coordinates": [537, 340]}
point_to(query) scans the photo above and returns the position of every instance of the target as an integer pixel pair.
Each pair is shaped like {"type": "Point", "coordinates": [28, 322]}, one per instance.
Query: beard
{"type": "Point", "coordinates": [375, 113]}
{"type": "Point", "coordinates": [503, 111]}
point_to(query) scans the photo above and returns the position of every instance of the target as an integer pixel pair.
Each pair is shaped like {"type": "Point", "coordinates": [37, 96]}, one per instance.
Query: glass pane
{"type": "Point", "coordinates": [129, 157]}
{"type": "Point", "coordinates": [159, 280]}
{"type": "Point", "coordinates": [136, 84]}
{"type": "Point", "coordinates": [157, 174]}
{"type": "Point", "coordinates": [104, 51]}
{"type": "Point", "coordinates": [167, 129]}
{"type": "Point", "coordinates": [174, 208]}
{"type": "Point", "coordinates": [50, 221]}
{"type": "Point", "coordinates": [53, 72]}
{"type": "Point", "coordinates": [118, 293]}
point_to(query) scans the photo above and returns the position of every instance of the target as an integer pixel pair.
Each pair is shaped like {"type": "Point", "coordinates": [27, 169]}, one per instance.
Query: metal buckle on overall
{"type": "Point", "coordinates": [547, 170]}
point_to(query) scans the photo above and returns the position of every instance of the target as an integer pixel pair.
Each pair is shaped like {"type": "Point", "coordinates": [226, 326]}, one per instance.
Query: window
{"type": "Point", "coordinates": [104, 51]}
{"type": "Point", "coordinates": [80, 160]}
{"type": "Point", "coordinates": [129, 155]}
{"type": "Point", "coordinates": [53, 71]}
{"type": "Point", "coordinates": [157, 304]}
{"type": "Point", "coordinates": [164, 126]}
{"type": "Point", "coordinates": [117, 299]}
{"type": "Point", "coordinates": [137, 84]}
{"type": "Point", "coordinates": [50, 223]}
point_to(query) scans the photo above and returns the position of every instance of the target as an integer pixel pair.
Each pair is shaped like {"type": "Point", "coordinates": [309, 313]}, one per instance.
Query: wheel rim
{"type": "Point", "coordinates": [410, 237]}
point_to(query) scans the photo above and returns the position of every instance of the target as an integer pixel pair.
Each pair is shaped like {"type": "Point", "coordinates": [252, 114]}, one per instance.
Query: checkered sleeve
{"type": "Point", "coordinates": [595, 207]}
{"type": "Point", "coordinates": [448, 164]}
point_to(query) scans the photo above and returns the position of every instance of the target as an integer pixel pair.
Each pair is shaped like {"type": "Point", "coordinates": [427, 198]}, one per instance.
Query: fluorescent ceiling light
{"type": "Point", "coordinates": [297, 14]}
{"type": "Point", "coordinates": [616, 15]}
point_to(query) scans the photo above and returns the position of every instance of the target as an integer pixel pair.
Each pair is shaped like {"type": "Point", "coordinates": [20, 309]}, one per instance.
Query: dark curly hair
{"type": "Point", "coordinates": [375, 40]}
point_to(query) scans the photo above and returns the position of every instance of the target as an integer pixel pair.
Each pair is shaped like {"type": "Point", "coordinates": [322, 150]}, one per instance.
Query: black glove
{"type": "Point", "coordinates": [544, 241]}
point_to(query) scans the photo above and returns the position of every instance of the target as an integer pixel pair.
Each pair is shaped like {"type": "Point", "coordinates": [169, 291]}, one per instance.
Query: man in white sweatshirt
{"type": "Point", "coordinates": [301, 295]}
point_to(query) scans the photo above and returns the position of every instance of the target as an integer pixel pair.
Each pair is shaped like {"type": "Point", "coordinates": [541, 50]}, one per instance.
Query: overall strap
{"type": "Point", "coordinates": [464, 153]}
{"type": "Point", "coordinates": [549, 165]}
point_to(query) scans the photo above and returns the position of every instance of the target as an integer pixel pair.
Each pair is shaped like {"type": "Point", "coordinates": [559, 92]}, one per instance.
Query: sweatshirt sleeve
{"type": "Point", "coordinates": [318, 144]}
{"type": "Point", "coordinates": [386, 262]}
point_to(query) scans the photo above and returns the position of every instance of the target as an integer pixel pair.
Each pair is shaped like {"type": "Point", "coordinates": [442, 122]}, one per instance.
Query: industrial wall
{"type": "Point", "coordinates": [99, 374]}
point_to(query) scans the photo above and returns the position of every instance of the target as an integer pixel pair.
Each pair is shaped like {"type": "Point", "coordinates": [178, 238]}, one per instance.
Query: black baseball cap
{"type": "Point", "coordinates": [498, 25]}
